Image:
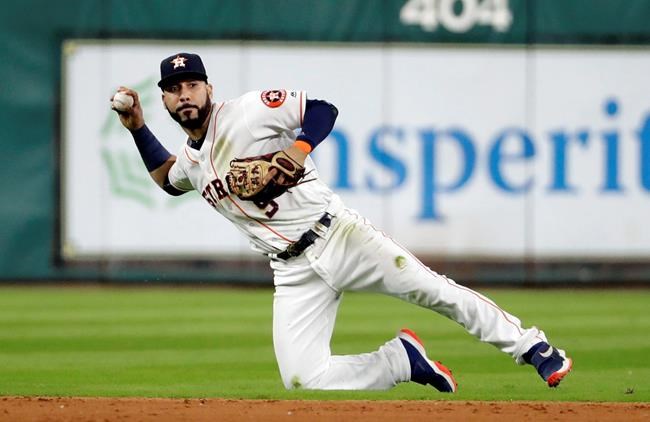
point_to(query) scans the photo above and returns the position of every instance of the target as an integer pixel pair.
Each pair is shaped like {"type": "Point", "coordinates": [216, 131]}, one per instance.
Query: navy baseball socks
{"type": "Point", "coordinates": [423, 370]}
{"type": "Point", "coordinates": [551, 363]}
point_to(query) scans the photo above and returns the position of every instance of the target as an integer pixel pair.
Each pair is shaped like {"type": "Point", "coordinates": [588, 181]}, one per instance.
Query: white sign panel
{"type": "Point", "coordinates": [490, 152]}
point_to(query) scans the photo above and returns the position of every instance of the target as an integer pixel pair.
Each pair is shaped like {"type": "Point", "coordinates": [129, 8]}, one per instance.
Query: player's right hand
{"type": "Point", "coordinates": [133, 118]}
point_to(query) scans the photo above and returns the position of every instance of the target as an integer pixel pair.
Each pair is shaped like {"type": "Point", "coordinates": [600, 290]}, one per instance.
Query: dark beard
{"type": "Point", "coordinates": [192, 124]}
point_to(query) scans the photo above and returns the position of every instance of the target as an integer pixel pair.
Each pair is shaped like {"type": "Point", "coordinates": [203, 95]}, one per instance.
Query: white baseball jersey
{"type": "Point", "coordinates": [352, 255]}
{"type": "Point", "coordinates": [256, 123]}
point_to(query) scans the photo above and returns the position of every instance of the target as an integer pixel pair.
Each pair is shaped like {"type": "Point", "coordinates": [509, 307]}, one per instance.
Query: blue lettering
{"type": "Point", "coordinates": [497, 156]}
{"type": "Point", "coordinates": [341, 159]}
{"type": "Point", "coordinates": [644, 155]}
{"type": "Point", "coordinates": [611, 152]}
{"type": "Point", "coordinates": [560, 141]}
{"type": "Point", "coordinates": [387, 160]}
{"type": "Point", "coordinates": [430, 187]}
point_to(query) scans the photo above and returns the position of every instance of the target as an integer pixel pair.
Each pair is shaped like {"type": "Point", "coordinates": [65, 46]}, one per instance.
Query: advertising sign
{"type": "Point", "coordinates": [456, 152]}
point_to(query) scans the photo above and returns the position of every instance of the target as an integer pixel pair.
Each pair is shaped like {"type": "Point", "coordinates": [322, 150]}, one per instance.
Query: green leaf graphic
{"type": "Point", "coordinates": [123, 182]}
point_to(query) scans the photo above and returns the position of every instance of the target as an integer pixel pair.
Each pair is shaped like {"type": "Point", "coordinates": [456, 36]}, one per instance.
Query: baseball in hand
{"type": "Point", "coordinates": [122, 101]}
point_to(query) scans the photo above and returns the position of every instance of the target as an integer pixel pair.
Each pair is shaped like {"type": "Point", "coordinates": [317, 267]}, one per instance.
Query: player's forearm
{"type": "Point", "coordinates": [297, 153]}
{"type": "Point", "coordinates": [159, 175]}
{"type": "Point", "coordinates": [155, 157]}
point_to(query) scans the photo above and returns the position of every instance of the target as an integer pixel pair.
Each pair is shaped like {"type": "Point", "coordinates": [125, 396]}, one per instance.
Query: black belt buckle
{"type": "Point", "coordinates": [307, 238]}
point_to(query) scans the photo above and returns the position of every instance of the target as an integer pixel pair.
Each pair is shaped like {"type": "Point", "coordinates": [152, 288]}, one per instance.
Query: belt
{"type": "Point", "coordinates": [307, 238]}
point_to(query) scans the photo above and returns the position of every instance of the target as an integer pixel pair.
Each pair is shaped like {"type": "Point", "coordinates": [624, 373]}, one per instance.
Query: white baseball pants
{"type": "Point", "coordinates": [356, 256]}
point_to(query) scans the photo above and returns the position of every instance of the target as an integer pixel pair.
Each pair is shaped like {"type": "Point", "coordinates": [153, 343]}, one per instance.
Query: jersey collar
{"type": "Point", "coordinates": [196, 144]}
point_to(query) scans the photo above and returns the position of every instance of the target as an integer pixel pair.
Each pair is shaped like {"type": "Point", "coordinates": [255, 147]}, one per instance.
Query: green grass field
{"type": "Point", "coordinates": [158, 342]}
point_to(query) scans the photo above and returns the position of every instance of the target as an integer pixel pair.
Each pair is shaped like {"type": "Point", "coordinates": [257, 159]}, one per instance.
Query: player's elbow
{"type": "Point", "coordinates": [334, 110]}
{"type": "Point", "coordinates": [173, 191]}
{"type": "Point", "coordinates": [333, 114]}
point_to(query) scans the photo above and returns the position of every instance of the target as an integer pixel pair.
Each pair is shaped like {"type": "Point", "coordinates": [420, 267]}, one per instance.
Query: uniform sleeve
{"type": "Point", "coordinates": [177, 175]}
{"type": "Point", "coordinates": [269, 112]}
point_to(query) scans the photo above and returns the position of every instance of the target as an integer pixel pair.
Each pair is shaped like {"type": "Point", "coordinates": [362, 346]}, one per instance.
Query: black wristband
{"type": "Point", "coordinates": [151, 150]}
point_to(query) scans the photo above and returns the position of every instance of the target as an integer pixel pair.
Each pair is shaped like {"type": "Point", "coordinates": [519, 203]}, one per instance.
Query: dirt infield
{"type": "Point", "coordinates": [135, 409]}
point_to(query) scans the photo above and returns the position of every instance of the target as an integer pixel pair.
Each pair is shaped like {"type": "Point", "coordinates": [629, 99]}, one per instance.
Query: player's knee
{"type": "Point", "coordinates": [292, 383]}
{"type": "Point", "coordinates": [297, 381]}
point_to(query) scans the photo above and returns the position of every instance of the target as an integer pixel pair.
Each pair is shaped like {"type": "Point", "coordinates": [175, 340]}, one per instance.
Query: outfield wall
{"type": "Point", "coordinates": [509, 140]}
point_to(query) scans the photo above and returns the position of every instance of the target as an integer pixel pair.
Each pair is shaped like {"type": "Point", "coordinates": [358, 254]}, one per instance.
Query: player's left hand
{"type": "Point", "coordinates": [264, 177]}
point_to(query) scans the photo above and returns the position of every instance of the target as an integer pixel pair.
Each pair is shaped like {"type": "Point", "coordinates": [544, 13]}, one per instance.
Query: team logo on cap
{"type": "Point", "coordinates": [179, 62]}
{"type": "Point", "coordinates": [274, 98]}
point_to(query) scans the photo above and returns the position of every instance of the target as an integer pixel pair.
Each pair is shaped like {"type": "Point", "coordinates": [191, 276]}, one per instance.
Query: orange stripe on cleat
{"type": "Point", "coordinates": [412, 334]}
{"type": "Point", "coordinates": [554, 379]}
{"type": "Point", "coordinates": [447, 371]}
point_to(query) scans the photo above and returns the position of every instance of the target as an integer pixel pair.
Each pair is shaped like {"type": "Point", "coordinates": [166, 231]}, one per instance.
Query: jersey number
{"type": "Point", "coordinates": [263, 205]}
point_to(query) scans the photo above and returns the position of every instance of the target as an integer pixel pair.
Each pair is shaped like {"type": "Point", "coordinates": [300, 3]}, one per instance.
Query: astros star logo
{"type": "Point", "coordinates": [274, 98]}
{"type": "Point", "coordinates": [179, 62]}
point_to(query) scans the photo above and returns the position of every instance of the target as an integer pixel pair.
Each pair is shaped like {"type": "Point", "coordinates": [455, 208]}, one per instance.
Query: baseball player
{"type": "Point", "coordinates": [244, 158]}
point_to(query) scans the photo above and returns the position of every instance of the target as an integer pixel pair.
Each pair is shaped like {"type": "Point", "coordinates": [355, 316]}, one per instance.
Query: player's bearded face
{"type": "Point", "coordinates": [191, 116]}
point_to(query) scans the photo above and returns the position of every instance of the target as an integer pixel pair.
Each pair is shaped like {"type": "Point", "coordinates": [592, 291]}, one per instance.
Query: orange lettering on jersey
{"type": "Point", "coordinates": [274, 98]}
